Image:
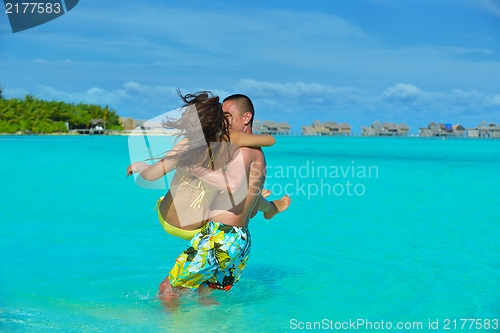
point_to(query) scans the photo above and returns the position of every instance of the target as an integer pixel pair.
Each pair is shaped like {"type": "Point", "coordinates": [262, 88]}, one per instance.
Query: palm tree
{"type": "Point", "coordinates": [35, 115]}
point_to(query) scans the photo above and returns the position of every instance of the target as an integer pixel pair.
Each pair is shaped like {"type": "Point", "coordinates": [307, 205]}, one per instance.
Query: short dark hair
{"type": "Point", "coordinates": [244, 104]}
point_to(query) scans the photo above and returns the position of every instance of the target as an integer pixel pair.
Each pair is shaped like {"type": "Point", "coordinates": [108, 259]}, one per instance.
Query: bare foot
{"type": "Point", "coordinates": [280, 206]}
{"type": "Point", "coordinates": [265, 193]}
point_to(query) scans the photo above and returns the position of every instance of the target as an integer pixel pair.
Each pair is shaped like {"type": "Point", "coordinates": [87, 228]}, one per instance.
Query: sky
{"type": "Point", "coordinates": [357, 61]}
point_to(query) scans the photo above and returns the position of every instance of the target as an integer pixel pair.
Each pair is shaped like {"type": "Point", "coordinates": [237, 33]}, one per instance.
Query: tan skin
{"type": "Point", "coordinates": [252, 170]}
{"type": "Point", "coordinates": [181, 192]}
{"type": "Point", "coordinates": [241, 122]}
{"type": "Point", "coordinates": [249, 169]}
{"type": "Point", "coordinates": [250, 161]}
{"type": "Point", "coordinates": [254, 167]}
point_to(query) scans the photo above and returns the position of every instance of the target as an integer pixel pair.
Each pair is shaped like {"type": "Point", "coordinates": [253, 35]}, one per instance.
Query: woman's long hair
{"type": "Point", "coordinates": [206, 128]}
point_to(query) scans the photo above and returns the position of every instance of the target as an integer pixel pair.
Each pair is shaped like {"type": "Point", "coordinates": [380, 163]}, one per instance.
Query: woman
{"type": "Point", "coordinates": [187, 205]}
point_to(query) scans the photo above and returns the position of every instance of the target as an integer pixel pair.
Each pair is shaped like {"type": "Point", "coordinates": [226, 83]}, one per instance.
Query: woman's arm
{"type": "Point", "coordinates": [160, 168]}
{"type": "Point", "coordinates": [251, 140]}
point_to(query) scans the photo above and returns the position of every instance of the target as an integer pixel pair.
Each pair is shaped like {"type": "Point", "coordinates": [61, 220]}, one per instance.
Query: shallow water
{"type": "Point", "coordinates": [413, 237]}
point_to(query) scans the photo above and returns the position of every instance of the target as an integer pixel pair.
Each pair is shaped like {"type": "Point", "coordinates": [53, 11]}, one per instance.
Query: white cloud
{"type": "Point", "coordinates": [301, 103]}
{"type": "Point", "coordinates": [302, 93]}
{"type": "Point", "coordinates": [93, 95]}
{"type": "Point", "coordinates": [132, 99]}
{"type": "Point", "coordinates": [184, 25]}
{"type": "Point", "coordinates": [293, 90]}
{"type": "Point", "coordinates": [134, 88]}
{"type": "Point", "coordinates": [466, 50]}
{"type": "Point", "coordinates": [496, 100]}
{"type": "Point", "coordinates": [15, 93]}
{"type": "Point", "coordinates": [402, 92]}
{"type": "Point", "coordinates": [170, 35]}
{"type": "Point", "coordinates": [401, 102]}
{"type": "Point", "coordinates": [161, 45]}
{"type": "Point", "coordinates": [491, 5]}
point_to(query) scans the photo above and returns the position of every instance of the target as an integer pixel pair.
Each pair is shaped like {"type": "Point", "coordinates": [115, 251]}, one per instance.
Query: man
{"type": "Point", "coordinates": [239, 109]}
{"type": "Point", "coordinates": [217, 255]}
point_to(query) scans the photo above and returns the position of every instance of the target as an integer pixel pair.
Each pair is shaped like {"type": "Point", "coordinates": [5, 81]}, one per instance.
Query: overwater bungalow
{"type": "Point", "coordinates": [459, 130]}
{"type": "Point", "coordinates": [495, 131]}
{"type": "Point", "coordinates": [385, 129]}
{"type": "Point", "coordinates": [97, 126]}
{"type": "Point", "coordinates": [327, 128]}
{"type": "Point", "coordinates": [484, 130]}
{"type": "Point", "coordinates": [443, 129]}
{"type": "Point", "coordinates": [271, 127]}
{"type": "Point", "coordinates": [316, 128]}
{"type": "Point", "coordinates": [127, 123]}
{"type": "Point", "coordinates": [337, 129]}
{"type": "Point", "coordinates": [403, 129]}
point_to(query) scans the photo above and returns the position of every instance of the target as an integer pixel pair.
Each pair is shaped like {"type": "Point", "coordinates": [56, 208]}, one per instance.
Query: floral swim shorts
{"type": "Point", "coordinates": [215, 256]}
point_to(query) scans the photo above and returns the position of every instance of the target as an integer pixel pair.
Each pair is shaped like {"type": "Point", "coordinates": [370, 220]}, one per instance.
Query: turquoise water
{"type": "Point", "coordinates": [411, 236]}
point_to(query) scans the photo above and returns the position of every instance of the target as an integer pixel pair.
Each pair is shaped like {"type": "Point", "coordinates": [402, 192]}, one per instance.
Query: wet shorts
{"type": "Point", "coordinates": [216, 256]}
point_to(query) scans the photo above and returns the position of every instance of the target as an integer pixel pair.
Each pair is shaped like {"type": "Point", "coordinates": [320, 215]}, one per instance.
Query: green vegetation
{"type": "Point", "coordinates": [32, 115]}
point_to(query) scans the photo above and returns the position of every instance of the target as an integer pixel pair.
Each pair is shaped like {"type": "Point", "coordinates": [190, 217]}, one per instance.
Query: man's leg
{"type": "Point", "coordinates": [167, 292]}
{"type": "Point", "coordinates": [194, 266]}
{"type": "Point", "coordinates": [233, 254]}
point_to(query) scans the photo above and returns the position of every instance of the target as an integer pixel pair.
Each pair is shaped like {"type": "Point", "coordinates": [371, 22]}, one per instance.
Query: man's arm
{"type": "Point", "coordinates": [229, 180]}
{"type": "Point", "coordinates": [251, 140]}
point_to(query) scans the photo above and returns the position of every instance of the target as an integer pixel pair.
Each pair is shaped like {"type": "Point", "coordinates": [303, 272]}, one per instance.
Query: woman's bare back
{"type": "Point", "coordinates": [188, 202]}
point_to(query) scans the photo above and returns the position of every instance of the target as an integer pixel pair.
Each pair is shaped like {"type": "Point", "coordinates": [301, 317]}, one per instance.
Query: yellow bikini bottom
{"type": "Point", "coordinates": [174, 231]}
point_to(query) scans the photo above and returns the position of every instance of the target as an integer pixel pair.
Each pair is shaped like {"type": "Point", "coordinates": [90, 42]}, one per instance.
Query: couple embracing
{"type": "Point", "coordinates": [219, 174]}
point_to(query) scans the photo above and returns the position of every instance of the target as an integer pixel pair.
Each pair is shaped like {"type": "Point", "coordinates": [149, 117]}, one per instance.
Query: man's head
{"type": "Point", "coordinates": [240, 112]}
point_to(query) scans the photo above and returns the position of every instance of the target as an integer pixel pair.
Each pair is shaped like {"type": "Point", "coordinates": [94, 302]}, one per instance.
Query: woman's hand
{"type": "Point", "coordinates": [136, 167]}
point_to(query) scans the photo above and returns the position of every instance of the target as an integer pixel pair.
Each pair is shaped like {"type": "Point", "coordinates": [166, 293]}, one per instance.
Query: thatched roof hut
{"type": "Point", "coordinates": [97, 122]}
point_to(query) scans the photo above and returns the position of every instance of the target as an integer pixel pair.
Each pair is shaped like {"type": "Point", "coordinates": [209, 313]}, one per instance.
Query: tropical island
{"type": "Point", "coordinates": [32, 115]}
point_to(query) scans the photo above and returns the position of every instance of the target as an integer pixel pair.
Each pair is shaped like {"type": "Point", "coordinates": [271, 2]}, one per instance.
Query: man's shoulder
{"type": "Point", "coordinates": [252, 151]}
{"type": "Point", "coordinates": [253, 156]}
